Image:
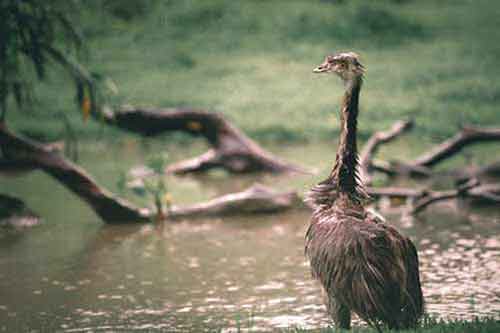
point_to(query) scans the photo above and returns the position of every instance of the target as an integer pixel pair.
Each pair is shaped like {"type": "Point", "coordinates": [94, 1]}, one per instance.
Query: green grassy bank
{"type": "Point", "coordinates": [435, 61]}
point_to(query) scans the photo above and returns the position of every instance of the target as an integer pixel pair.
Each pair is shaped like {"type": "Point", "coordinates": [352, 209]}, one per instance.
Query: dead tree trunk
{"type": "Point", "coordinates": [257, 199]}
{"type": "Point", "coordinates": [231, 148]}
{"type": "Point", "coordinates": [110, 208]}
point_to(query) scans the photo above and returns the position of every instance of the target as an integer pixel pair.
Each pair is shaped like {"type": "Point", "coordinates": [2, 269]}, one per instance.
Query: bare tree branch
{"type": "Point", "coordinates": [20, 151]}
{"type": "Point", "coordinates": [110, 208]}
{"type": "Point", "coordinates": [421, 166]}
{"type": "Point", "coordinates": [232, 149]}
{"type": "Point", "coordinates": [395, 168]}
{"type": "Point", "coordinates": [371, 147]}
{"type": "Point", "coordinates": [430, 197]}
{"type": "Point", "coordinates": [446, 149]}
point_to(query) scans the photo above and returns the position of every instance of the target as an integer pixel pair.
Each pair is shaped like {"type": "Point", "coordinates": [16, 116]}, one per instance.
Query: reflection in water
{"type": "Point", "coordinates": [75, 274]}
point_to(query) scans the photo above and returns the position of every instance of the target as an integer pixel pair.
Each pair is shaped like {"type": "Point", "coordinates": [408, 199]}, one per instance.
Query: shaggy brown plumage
{"type": "Point", "coordinates": [363, 264]}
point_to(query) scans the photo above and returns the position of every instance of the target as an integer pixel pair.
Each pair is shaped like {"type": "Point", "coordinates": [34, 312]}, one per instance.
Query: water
{"type": "Point", "coordinates": [75, 274]}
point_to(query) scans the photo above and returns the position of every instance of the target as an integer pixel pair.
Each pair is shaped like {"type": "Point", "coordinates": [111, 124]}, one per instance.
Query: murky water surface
{"type": "Point", "coordinates": [75, 274]}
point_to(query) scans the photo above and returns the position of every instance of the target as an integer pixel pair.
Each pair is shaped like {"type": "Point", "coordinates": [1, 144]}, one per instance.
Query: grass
{"type": "Point", "coordinates": [479, 326]}
{"type": "Point", "coordinates": [430, 325]}
{"type": "Point", "coordinates": [484, 325]}
{"type": "Point", "coordinates": [435, 61]}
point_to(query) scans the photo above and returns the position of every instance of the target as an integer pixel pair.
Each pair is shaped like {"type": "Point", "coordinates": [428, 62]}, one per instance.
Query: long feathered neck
{"type": "Point", "coordinates": [345, 172]}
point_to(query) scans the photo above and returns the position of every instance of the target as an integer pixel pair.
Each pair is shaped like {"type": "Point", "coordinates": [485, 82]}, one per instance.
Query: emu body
{"type": "Point", "coordinates": [364, 265]}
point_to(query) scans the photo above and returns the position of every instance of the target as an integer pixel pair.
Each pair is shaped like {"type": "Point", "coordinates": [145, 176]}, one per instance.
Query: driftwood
{"type": "Point", "coordinates": [110, 208]}
{"type": "Point", "coordinates": [235, 152]}
{"type": "Point", "coordinates": [13, 168]}
{"type": "Point", "coordinates": [21, 151]}
{"type": "Point", "coordinates": [257, 199]}
{"type": "Point", "coordinates": [231, 149]}
{"type": "Point", "coordinates": [466, 178]}
{"type": "Point", "coordinates": [371, 146]}
{"type": "Point", "coordinates": [422, 165]}
{"type": "Point", "coordinates": [473, 189]}
{"type": "Point", "coordinates": [446, 149]}
{"type": "Point", "coordinates": [422, 198]}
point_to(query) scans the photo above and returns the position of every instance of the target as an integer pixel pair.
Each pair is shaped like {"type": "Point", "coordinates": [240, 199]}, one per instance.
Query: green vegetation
{"type": "Point", "coordinates": [436, 61]}
{"type": "Point", "coordinates": [486, 325]}
{"type": "Point", "coordinates": [34, 34]}
{"type": "Point", "coordinates": [153, 186]}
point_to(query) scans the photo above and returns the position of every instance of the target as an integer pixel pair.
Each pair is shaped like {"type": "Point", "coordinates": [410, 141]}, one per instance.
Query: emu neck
{"type": "Point", "coordinates": [344, 172]}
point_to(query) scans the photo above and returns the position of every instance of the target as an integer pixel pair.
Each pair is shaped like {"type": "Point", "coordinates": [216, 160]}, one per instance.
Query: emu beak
{"type": "Point", "coordinates": [320, 69]}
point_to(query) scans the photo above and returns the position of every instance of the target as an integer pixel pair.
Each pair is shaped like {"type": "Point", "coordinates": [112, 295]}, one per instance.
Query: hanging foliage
{"type": "Point", "coordinates": [33, 34]}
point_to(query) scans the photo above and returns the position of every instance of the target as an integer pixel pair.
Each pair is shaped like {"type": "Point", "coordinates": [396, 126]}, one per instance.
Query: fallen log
{"type": "Point", "coordinates": [260, 199]}
{"type": "Point", "coordinates": [109, 207]}
{"type": "Point", "coordinates": [371, 146]}
{"type": "Point", "coordinates": [257, 199]}
{"type": "Point", "coordinates": [422, 198]}
{"type": "Point", "coordinates": [14, 168]}
{"type": "Point", "coordinates": [430, 197]}
{"type": "Point", "coordinates": [231, 149]}
{"type": "Point", "coordinates": [422, 166]}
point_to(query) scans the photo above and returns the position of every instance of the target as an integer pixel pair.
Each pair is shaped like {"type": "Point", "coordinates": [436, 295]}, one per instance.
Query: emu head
{"type": "Point", "coordinates": [346, 65]}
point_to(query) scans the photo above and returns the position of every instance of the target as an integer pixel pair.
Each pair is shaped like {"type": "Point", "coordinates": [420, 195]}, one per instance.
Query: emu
{"type": "Point", "coordinates": [364, 265]}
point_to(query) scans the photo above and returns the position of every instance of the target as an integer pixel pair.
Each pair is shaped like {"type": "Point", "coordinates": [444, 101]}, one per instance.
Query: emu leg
{"type": "Point", "coordinates": [339, 312]}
